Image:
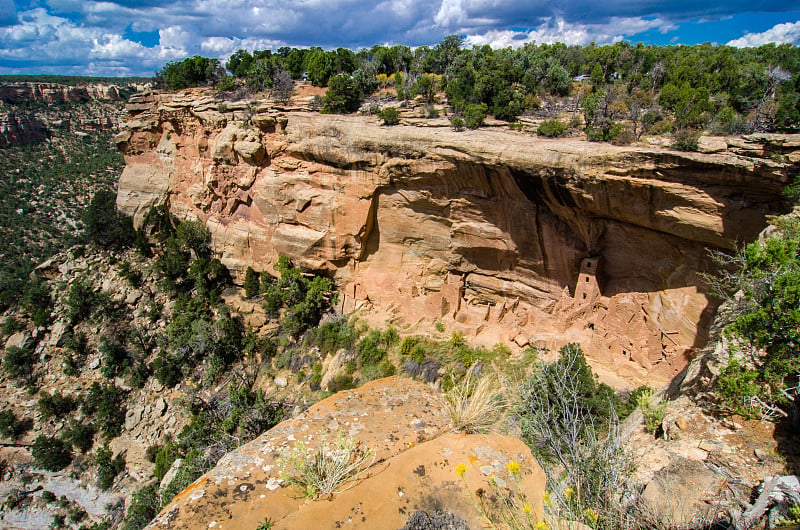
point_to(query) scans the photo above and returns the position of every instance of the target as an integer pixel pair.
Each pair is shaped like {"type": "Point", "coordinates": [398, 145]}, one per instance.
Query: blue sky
{"type": "Point", "coordinates": [130, 37]}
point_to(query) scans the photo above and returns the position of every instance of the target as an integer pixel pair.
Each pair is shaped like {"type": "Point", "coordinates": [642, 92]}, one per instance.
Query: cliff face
{"type": "Point", "coordinates": [30, 112]}
{"type": "Point", "coordinates": [494, 233]}
{"type": "Point", "coordinates": [19, 130]}
{"type": "Point", "coordinates": [56, 93]}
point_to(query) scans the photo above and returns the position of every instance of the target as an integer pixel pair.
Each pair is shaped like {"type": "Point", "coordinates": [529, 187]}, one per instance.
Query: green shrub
{"type": "Point", "coordinates": [55, 405]}
{"type": "Point", "coordinates": [107, 468]}
{"type": "Point", "coordinates": [551, 128]}
{"type": "Point", "coordinates": [456, 123]}
{"type": "Point", "coordinates": [474, 115]}
{"type": "Point", "coordinates": [51, 454]}
{"type": "Point", "coordinates": [653, 413]}
{"type": "Point", "coordinates": [37, 302]}
{"type": "Point", "coordinates": [107, 405]}
{"type": "Point", "coordinates": [144, 506]}
{"type": "Point", "coordinates": [115, 357]}
{"type": "Point", "coordinates": [340, 382]}
{"type": "Point", "coordinates": [13, 427]}
{"type": "Point", "coordinates": [686, 140]}
{"type": "Point", "coordinates": [332, 336]}
{"type": "Point", "coordinates": [389, 115]}
{"type": "Point", "coordinates": [569, 422]}
{"type": "Point", "coordinates": [164, 459]}
{"type": "Point", "coordinates": [252, 286]}
{"type": "Point", "coordinates": [19, 362]}
{"type": "Point", "coordinates": [371, 349]}
{"type": "Point", "coordinates": [104, 225]}
{"type": "Point", "coordinates": [342, 96]}
{"type": "Point", "coordinates": [80, 435]}
{"type": "Point", "coordinates": [167, 370]}
{"type": "Point", "coordinates": [83, 302]}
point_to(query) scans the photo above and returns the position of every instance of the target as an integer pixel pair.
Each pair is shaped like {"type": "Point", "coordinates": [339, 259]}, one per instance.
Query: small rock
{"type": "Point", "coordinates": [682, 424]}
{"type": "Point", "coordinates": [133, 297]}
{"type": "Point", "coordinates": [760, 453]}
{"type": "Point", "coordinates": [94, 365]}
{"type": "Point", "coordinates": [161, 406]}
{"type": "Point", "coordinates": [705, 445]}
{"type": "Point", "coordinates": [281, 382]}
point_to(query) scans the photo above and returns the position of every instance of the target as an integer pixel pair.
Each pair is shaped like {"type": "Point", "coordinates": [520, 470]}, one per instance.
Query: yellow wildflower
{"type": "Point", "coordinates": [513, 467]}
{"type": "Point", "coordinates": [592, 516]}
{"type": "Point", "coordinates": [546, 498]}
{"type": "Point", "coordinates": [527, 508]}
{"type": "Point", "coordinates": [568, 493]}
{"type": "Point", "coordinates": [461, 469]}
{"type": "Point", "coordinates": [542, 526]}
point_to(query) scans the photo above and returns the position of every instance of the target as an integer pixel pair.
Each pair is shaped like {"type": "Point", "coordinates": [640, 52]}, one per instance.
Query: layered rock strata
{"type": "Point", "coordinates": [494, 233]}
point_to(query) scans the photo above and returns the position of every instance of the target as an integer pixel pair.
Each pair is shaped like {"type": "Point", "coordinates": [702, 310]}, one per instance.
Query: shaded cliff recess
{"type": "Point", "coordinates": [482, 231]}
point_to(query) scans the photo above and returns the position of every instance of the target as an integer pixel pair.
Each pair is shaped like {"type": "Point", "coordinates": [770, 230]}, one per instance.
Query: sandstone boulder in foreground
{"type": "Point", "coordinates": [419, 465]}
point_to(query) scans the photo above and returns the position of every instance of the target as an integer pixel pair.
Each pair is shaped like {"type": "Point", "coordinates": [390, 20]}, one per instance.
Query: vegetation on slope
{"type": "Point", "coordinates": [617, 91]}
{"type": "Point", "coordinates": [45, 187]}
{"type": "Point", "coordinates": [762, 288]}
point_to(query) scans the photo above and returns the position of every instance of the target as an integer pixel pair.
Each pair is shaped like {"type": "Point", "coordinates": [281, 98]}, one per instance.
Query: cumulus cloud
{"type": "Point", "coordinates": [788, 32]}
{"type": "Point", "coordinates": [101, 35]}
{"type": "Point", "coordinates": [558, 30]}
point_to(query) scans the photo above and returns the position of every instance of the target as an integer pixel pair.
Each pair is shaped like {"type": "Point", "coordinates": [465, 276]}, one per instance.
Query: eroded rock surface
{"type": "Point", "coordinates": [415, 468]}
{"type": "Point", "coordinates": [487, 231]}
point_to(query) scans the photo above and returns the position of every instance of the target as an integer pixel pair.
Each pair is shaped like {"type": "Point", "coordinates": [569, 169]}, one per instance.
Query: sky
{"type": "Point", "coordinates": [136, 37]}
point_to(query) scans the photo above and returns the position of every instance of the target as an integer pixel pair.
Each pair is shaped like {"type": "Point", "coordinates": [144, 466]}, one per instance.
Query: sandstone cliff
{"type": "Point", "coordinates": [495, 233]}
{"type": "Point", "coordinates": [56, 93]}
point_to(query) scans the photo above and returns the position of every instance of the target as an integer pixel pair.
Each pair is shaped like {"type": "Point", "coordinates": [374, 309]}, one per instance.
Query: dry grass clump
{"type": "Point", "coordinates": [474, 405]}
{"type": "Point", "coordinates": [325, 470]}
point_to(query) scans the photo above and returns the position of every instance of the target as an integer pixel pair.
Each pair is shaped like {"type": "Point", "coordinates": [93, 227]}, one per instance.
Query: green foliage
{"type": "Point", "coordinates": [551, 128]}
{"type": "Point", "coordinates": [144, 506]}
{"type": "Point", "coordinates": [653, 413]}
{"type": "Point", "coordinates": [107, 404]}
{"type": "Point", "coordinates": [107, 468]}
{"type": "Point", "coordinates": [41, 179]}
{"type": "Point", "coordinates": [37, 302]}
{"type": "Point", "coordinates": [83, 302]}
{"type": "Point", "coordinates": [340, 382]}
{"type": "Point", "coordinates": [332, 336]}
{"type": "Point", "coordinates": [474, 115]}
{"type": "Point", "coordinates": [115, 357]}
{"type": "Point", "coordinates": [569, 422]}
{"type": "Point", "coordinates": [80, 435]}
{"type": "Point", "coordinates": [305, 299]}
{"type": "Point", "coordinates": [768, 320]}
{"type": "Point", "coordinates": [252, 285]}
{"type": "Point", "coordinates": [51, 454]}
{"type": "Point", "coordinates": [342, 97]}
{"type": "Point", "coordinates": [104, 225]}
{"type": "Point", "coordinates": [13, 427]}
{"type": "Point", "coordinates": [686, 140]}
{"type": "Point", "coordinates": [456, 123]}
{"type": "Point", "coordinates": [19, 362]}
{"type": "Point", "coordinates": [55, 405]}
{"type": "Point", "coordinates": [190, 72]}
{"type": "Point", "coordinates": [389, 115]}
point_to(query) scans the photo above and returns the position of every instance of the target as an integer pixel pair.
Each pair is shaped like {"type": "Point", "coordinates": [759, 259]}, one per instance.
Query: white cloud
{"type": "Point", "coordinates": [788, 32]}
{"type": "Point", "coordinates": [558, 30]}
{"type": "Point", "coordinates": [110, 46]}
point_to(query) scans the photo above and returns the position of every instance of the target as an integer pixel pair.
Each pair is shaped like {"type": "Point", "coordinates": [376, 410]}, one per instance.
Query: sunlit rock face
{"type": "Point", "coordinates": [487, 232]}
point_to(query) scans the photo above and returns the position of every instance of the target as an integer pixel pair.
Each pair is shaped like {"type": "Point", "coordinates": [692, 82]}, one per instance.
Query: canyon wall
{"type": "Point", "coordinates": [31, 111]}
{"type": "Point", "coordinates": [495, 233]}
